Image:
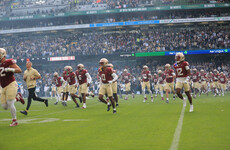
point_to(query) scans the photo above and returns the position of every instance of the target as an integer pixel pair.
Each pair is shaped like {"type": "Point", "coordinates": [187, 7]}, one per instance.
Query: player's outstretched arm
{"type": "Point", "coordinates": [14, 68]}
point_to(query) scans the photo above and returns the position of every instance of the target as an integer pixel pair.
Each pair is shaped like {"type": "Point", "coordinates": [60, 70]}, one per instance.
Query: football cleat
{"type": "Point", "coordinates": [133, 95]}
{"type": "Point", "coordinates": [24, 112]}
{"type": "Point", "coordinates": [145, 99]}
{"type": "Point", "coordinates": [191, 108]}
{"type": "Point", "coordinates": [55, 103]}
{"type": "Point", "coordinates": [117, 104]}
{"type": "Point", "coordinates": [46, 102]}
{"type": "Point", "coordinates": [114, 111]}
{"type": "Point", "coordinates": [108, 108]}
{"type": "Point", "coordinates": [77, 106]}
{"type": "Point", "coordinates": [167, 101]}
{"type": "Point", "coordinates": [13, 124]}
{"type": "Point", "coordinates": [152, 98]}
{"type": "Point", "coordinates": [174, 97]}
{"type": "Point", "coordinates": [162, 98]}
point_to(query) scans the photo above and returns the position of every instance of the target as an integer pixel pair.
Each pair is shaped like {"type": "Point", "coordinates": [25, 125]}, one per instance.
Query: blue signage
{"type": "Point", "coordinates": [191, 52]}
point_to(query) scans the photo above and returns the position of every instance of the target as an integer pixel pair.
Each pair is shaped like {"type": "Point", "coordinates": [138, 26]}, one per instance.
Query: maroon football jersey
{"type": "Point", "coordinates": [71, 78]}
{"type": "Point", "coordinates": [161, 78]}
{"type": "Point", "coordinates": [203, 76]}
{"type": "Point", "coordinates": [210, 78]}
{"type": "Point", "coordinates": [81, 77]}
{"type": "Point", "coordinates": [64, 75]}
{"type": "Point", "coordinates": [57, 81]}
{"type": "Point", "coordinates": [126, 77]}
{"type": "Point", "coordinates": [6, 77]}
{"type": "Point", "coordinates": [180, 69]}
{"type": "Point", "coordinates": [215, 77]}
{"type": "Point", "coordinates": [146, 75]}
{"type": "Point", "coordinates": [169, 73]}
{"type": "Point", "coordinates": [155, 79]}
{"type": "Point", "coordinates": [195, 77]}
{"type": "Point", "coordinates": [223, 79]}
{"type": "Point", "coordinates": [105, 74]}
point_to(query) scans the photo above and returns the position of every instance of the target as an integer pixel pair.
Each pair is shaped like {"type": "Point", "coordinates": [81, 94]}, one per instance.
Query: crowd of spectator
{"type": "Point", "coordinates": [111, 43]}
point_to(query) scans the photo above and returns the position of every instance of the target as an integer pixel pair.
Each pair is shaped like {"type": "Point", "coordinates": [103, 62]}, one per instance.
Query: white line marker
{"type": "Point", "coordinates": [76, 120]}
{"type": "Point", "coordinates": [176, 137]}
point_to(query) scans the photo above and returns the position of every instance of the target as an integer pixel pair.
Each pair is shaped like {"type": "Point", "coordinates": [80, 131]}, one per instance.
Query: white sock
{"type": "Point", "coordinates": [12, 108]}
{"type": "Point", "coordinates": [161, 93]}
{"type": "Point", "coordinates": [151, 93]}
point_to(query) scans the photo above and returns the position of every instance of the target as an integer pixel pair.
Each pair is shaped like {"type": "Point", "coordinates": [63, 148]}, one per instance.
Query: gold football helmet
{"type": "Point", "coordinates": [103, 62]}
{"type": "Point", "coordinates": [167, 66]}
{"type": "Point", "coordinates": [55, 74]}
{"type": "Point", "coordinates": [145, 67]}
{"type": "Point", "coordinates": [80, 66]}
{"type": "Point", "coordinates": [179, 57]}
{"type": "Point", "coordinates": [2, 53]}
{"type": "Point", "coordinates": [110, 65]}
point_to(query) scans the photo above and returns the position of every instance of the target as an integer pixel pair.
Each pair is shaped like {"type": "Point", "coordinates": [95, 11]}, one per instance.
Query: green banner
{"type": "Point", "coordinates": [150, 54]}
{"type": "Point", "coordinates": [176, 7]}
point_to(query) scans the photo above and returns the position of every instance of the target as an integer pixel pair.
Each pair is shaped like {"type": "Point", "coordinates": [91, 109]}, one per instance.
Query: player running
{"type": "Point", "coordinates": [169, 86]}
{"type": "Point", "coordinates": [155, 83]}
{"type": "Point", "coordinates": [223, 82]}
{"type": "Point", "coordinates": [126, 78]}
{"type": "Point", "coordinates": [196, 85]}
{"type": "Point", "coordinates": [203, 80]}
{"type": "Point", "coordinates": [182, 77]}
{"type": "Point", "coordinates": [58, 81]}
{"type": "Point", "coordinates": [84, 79]}
{"type": "Point", "coordinates": [161, 78]}
{"type": "Point", "coordinates": [72, 85]}
{"type": "Point", "coordinates": [145, 77]}
{"type": "Point", "coordinates": [8, 83]}
{"type": "Point", "coordinates": [107, 77]}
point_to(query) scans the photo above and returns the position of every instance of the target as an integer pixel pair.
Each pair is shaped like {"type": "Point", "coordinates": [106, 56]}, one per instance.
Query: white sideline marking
{"type": "Point", "coordinates": [176, 137]}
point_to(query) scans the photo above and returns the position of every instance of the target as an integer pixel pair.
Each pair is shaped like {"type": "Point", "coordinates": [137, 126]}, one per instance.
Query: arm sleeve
{"type": "Point", "coordinates": [115, 77]}
{"type": "Point", "coordinates": [89, 79]}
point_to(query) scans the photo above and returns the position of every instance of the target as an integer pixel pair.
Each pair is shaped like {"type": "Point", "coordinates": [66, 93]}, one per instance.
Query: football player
{"type": "Point", "coordinates": [126, 78]}
{"type": "Point", "coordinates": [58, 81]}
{"type": "Point", "coordinates": [72, 85]}
{"type": "Point", "coordinates": [223, 82]}
{"type": "Point", "coordinates": [8, 83]}
{"type": "Point", "coordinates": [84, 79]}
{"type": "Point", "coordinates": [161, 78]}
{"type": "Point", "coordinates": [145, 77]}
{"type": "Point", "coordinates": [107, 77]}
{"type": "Point", "coordinates": [155, 83]}
{"type": "Point", "coordinates": [203, 78]}
{"type": "Point", "coordinates": [114, 86]}
{"type": "Point", "coordinates": [65, 87]}
{"type": "Point", "coordinates": [182, 77]}
{"type": "Point", "coordinates": [210, 83]}
{"type": "Point", "coordinates": [169, 86]}
{"type": "Point", "coordinates": [215, 79]}
{"type": "Point", "coordinates": [195, 79]}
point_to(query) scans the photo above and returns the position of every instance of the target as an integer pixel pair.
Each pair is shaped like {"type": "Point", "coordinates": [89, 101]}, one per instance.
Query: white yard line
{"type": "Point", "coordinates": [176, 137]}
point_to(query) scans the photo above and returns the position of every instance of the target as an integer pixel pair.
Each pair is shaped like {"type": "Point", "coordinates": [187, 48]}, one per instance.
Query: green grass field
{"type": "Point", "coordinates": [136, 126]}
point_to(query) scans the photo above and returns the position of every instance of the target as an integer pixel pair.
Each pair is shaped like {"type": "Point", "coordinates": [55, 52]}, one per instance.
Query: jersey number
{"type": "Point", "coordinates": [179, 72]}
{"type": "Point", "coordinates": [79, 77]}
{"type": "Point", "coordinates": [1, 72]}
{"type": "Point", "coordinates": [103, 77]}
{"type": "Point", "coordinates": [144, 76]}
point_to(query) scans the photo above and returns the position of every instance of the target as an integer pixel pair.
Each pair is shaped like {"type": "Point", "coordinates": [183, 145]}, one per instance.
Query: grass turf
{"type": "Point", "coordinates": [136, 125]}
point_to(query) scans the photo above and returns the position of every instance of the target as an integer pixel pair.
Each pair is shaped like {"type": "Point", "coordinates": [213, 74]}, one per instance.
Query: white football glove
{"type": "Point", "coordinates": [9, 70]}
